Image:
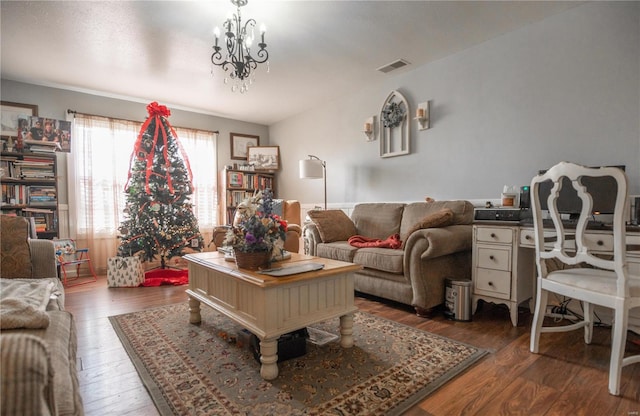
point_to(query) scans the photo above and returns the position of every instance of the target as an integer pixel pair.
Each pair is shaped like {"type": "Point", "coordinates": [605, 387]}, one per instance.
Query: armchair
{"type": "Point", "coordinates": [289, 210]}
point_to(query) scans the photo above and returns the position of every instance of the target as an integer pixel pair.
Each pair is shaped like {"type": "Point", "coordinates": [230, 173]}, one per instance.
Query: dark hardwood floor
{"type": "Point", "coordinates": [567, 378]}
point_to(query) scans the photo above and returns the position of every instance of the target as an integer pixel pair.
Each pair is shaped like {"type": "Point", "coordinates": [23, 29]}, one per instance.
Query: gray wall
{"type": "Point", "coordinates": [565, 88]}
{"type": "Point", "coordinates": [54, 102]}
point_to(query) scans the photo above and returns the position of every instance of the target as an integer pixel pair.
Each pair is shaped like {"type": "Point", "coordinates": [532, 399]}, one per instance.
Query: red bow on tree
{"type": "Point", "coordinates": [156, 109]}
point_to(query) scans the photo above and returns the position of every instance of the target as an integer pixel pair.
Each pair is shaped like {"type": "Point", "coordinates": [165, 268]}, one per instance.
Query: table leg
{"type": "Point", "coordinates": [514, 314]}
{"type": "Point", "coordinates": [269, 358]}
{"type": "Point", "coordinates": [194, 311]}
{"type": "Point", "coordinates": [346, 331]}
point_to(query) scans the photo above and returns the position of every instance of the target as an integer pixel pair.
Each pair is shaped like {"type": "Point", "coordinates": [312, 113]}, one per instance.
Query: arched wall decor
{"type": "Point", "coordinates": [394, 126]}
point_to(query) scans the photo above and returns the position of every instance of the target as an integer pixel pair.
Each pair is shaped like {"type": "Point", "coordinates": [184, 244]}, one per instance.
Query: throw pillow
{"type": "Point", "coordinates": [441, 218]}
{"type": "Point", "coordinates": [333, 225]}
{"type": "Point", "coordinates": [14, 251]}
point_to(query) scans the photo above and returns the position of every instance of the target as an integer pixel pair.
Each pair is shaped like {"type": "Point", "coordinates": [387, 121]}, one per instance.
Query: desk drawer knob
{"type": "Point", "coordinates": [491, 257]}
{"type": "Point", "coordinates": [600, 243]}
{"type": "Point", "coordinates": [493, 235]}
{"type": "Point", "coordinates": [491, 284]}
{"type": "Point", "coordinates": [527, 237]}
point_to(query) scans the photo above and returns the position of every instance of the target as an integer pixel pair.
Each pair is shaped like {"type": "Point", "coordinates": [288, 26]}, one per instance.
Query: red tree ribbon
{"type": "Point", "coordinates": [156, 113]}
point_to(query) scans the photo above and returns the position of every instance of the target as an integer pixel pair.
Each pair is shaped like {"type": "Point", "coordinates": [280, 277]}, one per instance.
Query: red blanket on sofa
{"type": "Point", "coordinates": [393, 241]}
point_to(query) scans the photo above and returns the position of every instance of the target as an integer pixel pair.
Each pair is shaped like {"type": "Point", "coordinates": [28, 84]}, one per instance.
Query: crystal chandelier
{"type": "Point", "coordinates": [239, 64]}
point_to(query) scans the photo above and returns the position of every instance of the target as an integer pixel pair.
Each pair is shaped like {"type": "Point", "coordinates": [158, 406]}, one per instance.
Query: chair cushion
{"type": "Point", "coordinates": [593, 280]}
{"type": "Point", "coordinates": [333, 225]}
{"type": "Point", "coordinates": [14, 250]}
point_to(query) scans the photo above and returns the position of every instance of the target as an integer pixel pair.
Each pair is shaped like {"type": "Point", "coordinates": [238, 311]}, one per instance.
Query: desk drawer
{"type": "Point", "coordinates": [527, 238]}
{"type": "Point", "coordinates": [494, 235]}
{"type": "Point", "coordinates": [595, 241]}
{"type": "Point", "coordinates": [494, 258]}
{"type": "Point", "coordinates": [599, 242]}
{"type": "Point", "coordinates": [493, 283]}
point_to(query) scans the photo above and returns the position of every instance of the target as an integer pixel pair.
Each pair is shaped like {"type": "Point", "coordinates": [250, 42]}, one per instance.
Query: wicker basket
{"type": "Point", "coordinates": [254, 260]}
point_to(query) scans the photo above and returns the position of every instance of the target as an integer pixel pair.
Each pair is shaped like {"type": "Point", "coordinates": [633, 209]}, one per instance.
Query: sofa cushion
{"type": "Point", "coordinates": [384, 259]}
{"type": "Point", "coordinates": [441, 218]}
{"type": "Point", "coordinates": [15, 258]}
{"type": "Point", "coordinates": [414, 212]}
{"type": "Point", "coordinates": [27, 378]}
{"type": "Point", "coordinates": [339, 250]}
{"type": "Point", "coordinates": [333, 225]}
{"type": "Point", "coordinates": [377, 220]}
{"type": "Point", "coordinates": [61, 341]}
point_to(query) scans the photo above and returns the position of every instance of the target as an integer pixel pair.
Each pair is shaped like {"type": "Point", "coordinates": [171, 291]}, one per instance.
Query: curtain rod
{"type": "Point", "coordinates": [70, 111]}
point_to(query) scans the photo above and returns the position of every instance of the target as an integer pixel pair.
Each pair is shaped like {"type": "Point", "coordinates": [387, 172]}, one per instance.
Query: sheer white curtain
{"type": "Point", "coordinates": [98, 168]}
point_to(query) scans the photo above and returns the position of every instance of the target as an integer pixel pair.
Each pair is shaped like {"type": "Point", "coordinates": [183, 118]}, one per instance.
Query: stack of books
{"type": "Point", "coordinates": [33, 168]}
{"type": "Point", "coordinates": [42, 195]}
{"type": "Point", "coordinates": [45, 147]}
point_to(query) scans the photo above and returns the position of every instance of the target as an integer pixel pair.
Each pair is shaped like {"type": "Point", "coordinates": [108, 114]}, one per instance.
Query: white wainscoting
{"type": "Point", "coordinates": [63, 221]}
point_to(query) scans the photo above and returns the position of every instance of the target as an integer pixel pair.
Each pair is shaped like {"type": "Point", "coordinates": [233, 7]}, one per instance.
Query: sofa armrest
{"type": "Point", "coordinates": [43, 258]}
{"type": "Point", "coordinates": [431, 255]}
{"type": "Point", "coordinates": [311, 238]}
{"type": "Point", "coordinates": [292, 241]}
{"type": "Point", "coordinates": [218, 235]}
{"type": "Point", "coordinates": [27, 376]}
{"type": "Point", "coordinates": [436, 242]}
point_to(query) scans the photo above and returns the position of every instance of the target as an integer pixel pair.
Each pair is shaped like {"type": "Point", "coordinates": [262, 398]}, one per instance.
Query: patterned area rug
{"type": "Point", "coordinates": [204, 369]}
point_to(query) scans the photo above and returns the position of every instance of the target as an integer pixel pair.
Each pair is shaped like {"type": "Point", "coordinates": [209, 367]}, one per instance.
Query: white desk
{"type": "Point", "coordinates": [504, 263]}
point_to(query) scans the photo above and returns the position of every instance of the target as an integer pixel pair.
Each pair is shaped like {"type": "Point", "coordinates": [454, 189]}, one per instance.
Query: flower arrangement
{"type": "Point", "coordinates": [256, 228]}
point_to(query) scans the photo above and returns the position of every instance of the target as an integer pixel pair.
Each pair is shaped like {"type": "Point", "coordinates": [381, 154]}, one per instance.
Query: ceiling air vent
{"type": "Point", "coordinates": [393, 66]}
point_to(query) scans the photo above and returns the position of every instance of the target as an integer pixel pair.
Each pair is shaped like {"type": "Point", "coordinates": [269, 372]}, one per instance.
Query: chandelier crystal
{"type": "Point", "coordinates": [239, 65]}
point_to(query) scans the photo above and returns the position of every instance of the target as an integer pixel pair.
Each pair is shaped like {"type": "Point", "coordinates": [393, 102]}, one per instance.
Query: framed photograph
{"type": "Point", "coordinates": [264, 157]}
{"type": "Point", "coordinates": [240, 143]}
{"type": "Point", "coordinates": [9, 113]}
{"type": "Point", "coordinates": [41, 134]}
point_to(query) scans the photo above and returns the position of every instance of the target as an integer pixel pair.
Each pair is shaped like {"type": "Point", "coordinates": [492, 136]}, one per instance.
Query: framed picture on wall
{"type": "Point", "coordinates": [45, 134]}
{"type": "Point", "coordinates": [264, 157]}
{"type": "Point", "coordinates": [240, 143]}
{"type": "Point", "coordinates": [9, 113]}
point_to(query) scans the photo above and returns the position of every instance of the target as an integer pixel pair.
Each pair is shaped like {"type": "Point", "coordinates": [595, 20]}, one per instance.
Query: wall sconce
{"type": "Point", "coordinates": [315, 168]}
{"type": "Point", "coordinates": [422, 115]}
{"type": "Point", "coordinates": [370, 128]}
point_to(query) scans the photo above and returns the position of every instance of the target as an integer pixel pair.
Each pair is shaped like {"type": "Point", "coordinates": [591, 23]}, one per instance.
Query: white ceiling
{"type": "Point", "coordinates": [319, 50]}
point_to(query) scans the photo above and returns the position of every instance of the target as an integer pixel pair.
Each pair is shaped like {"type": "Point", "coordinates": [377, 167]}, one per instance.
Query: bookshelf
{"type": "Point", "coordinates": [30, 189]}
{"type": "Point", "coordinates": [241, 184]}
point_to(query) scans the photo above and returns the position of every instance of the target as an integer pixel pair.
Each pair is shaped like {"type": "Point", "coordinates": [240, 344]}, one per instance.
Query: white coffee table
{"type": "Point", "coordinates": [272, 306]}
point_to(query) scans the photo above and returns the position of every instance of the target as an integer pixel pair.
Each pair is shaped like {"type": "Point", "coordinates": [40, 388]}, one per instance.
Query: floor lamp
{"type": "Point", "coordinates": [315, 168]}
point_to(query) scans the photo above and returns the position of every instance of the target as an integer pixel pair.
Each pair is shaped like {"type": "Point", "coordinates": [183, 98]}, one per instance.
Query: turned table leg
{"type": "Point", "coordinates": [269, 358]}
{"type": "Point", "coordinates": [346, 331]}
{"type": "Point", "coordinates": [194, 311]}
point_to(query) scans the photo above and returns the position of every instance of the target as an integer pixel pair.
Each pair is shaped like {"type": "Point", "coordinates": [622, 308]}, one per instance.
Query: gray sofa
{"type": "Point", "coordinates": [436, 244]}
{"type": "Point", "coordinates": [38, 356]}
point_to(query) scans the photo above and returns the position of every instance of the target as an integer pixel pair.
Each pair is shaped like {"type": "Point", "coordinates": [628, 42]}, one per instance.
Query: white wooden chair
{"type": "Point", "coordinates": [606, 283]}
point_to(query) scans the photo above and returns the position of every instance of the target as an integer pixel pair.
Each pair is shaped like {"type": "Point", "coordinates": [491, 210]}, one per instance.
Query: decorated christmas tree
{"type": "Point", "coordinates": [159, 217]}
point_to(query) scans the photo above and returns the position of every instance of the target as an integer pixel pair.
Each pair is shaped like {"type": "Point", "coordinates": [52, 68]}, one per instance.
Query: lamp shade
{"type": "Point", "coordinates": [311, 169]}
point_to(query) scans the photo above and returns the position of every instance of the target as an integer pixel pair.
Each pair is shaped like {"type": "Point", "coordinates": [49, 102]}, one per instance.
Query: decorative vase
{"type": "Point", "coordinates": [253, 260]}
